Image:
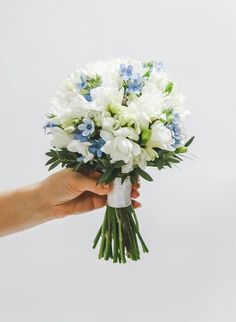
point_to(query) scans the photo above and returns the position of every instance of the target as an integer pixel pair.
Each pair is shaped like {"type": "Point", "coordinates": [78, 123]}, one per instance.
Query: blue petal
{"type": "Point", "coordinates": [99, 153]}
{"type": "Point", "coordinates": [80, 159]}
{"type": "Point", "coordinates": [88, 97]}
{"type": "Point", "coordinates": [129, 70]}
{"type": "Point", "coordinates": [122, 68]}
{"type": "Point", "coordinates": [80, 137]}
{"type": "Point", "coordinates": [82, 127]}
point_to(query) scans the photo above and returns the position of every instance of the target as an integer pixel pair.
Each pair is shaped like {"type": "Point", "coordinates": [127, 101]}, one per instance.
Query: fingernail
{"type": "Point", "coordinates": [105, 185]}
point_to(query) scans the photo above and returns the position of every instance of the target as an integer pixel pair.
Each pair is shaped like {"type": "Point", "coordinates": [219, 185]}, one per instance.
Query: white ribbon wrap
{"type": "Point", "coordinates": [120, 196]}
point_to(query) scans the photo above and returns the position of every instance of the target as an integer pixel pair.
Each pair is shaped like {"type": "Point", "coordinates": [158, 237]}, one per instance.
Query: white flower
{"type": "Point", "coordinates": [110, 124]}
{"type": "Point", "coordinates": [151, 101]}
{"type": "Point", "coordinates": [133, 114]}
{"type": "Point", "coordinates": [103, 97]}
{"type": "Point", "coordinates": [175, 101]}
{"type": "Point", "coordinates": [60, 138]}
{"type": "Point", "coordinates": [160, 137]}
{"type": "Point", "coordinates": [119, 148]}
{"type": "Point", "coordinates": [147, 154]}
{"type": "Point", "coordinates": [127, 132]}
{"type": "Point", "coordinates": [82, 148]}
{"type": "Point", "coordinates": [160, 80]}
{"type": "Point", "coordinates": [66, 106]}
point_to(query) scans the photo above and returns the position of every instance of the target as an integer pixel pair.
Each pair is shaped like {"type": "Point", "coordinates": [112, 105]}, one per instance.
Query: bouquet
{"type": "Point", "coordinates": [118, 117]}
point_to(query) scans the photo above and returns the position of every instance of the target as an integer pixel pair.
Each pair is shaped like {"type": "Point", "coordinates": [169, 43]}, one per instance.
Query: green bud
{"type": "Point", "coordinates": [114, 108]}
{"type": "Point", "coordinates": [169, 88]}
{"type": "Point", "coordinates": [145, 136]}
{"type": "Point", "coordinates": [182, 149]}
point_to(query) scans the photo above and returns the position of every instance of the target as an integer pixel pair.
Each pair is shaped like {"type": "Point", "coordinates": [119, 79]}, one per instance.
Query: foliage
{"type": "Point", "coordinates": [109, 171]}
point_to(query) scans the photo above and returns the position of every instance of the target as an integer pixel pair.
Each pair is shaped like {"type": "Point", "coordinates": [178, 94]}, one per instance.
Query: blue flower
{"type": "Point", "coordinates": [160, 67]}
{"type": "Point", "coordinates": [95, 148]}
{"type": "Point", "coordinates": [175, 129]}
{"type": "Point", "coordinates": [126, 72]}
{"type": "Point", "coordinates": [83, 83]}
{"type": "Point", "coordinates": [80, 137]}
{"type": "Point", "coordinates": [48, 125]}
{"type": "Point", "coordinates": [80, 159]}
{"type": "Point", "coordinates": [88, 97]}
{"type": "Point", "coordinates": [135, 84]}
{"type": "Point", "coordinates": [82, 87]}
{"type": "Point", "coordinates": [87, 127]}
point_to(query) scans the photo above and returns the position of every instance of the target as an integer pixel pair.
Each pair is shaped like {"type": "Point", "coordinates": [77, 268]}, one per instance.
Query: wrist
{"type": "Point", "coordinates": [38, 204]}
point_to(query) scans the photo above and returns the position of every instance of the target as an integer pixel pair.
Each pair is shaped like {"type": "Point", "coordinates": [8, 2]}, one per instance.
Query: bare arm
{"type": "Point", "coordinates": [63, 193]}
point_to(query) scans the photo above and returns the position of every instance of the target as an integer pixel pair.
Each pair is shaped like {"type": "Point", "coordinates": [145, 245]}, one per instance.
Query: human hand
{"type": "Point", "coordinates": [68, 192]}
{"type": "Point", "coordinates": [63, 193]}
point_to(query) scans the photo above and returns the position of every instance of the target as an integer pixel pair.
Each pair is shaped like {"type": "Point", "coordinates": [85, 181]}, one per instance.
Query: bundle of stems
{"type": "Point", "coordinates": [119, 235]}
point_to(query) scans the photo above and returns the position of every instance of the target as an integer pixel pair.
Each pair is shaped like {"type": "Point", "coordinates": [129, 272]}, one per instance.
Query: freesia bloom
{"type": "Point", "coordinates": [119, 148]}
{"type": "Point", "coordinates": [60, 138]}
{"type": "Point", "coordinates": [160, 137]}
{"type": "Point", "coordinates": [81, 148]}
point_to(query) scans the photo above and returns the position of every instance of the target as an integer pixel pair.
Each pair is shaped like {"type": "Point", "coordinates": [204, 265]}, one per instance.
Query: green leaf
{"type": "Point", "coordinates": [143, 174]}
{"type": "Point", "coordinates": [77, 166]}
{"type": "Point", "coordinates": [111, 177]}
{"type": "Point", "coordinates": [159, 163]}
{"type": "Point", "coordinates": [177, 157]}
{"type": "Point", "coordinates": [169, 87]}
{"type": "Point", "coordinates": [105, 163]}
{"type": "Point", "coordinates": [123, 178]}
{"type": "Point", "coordinates": [117, 164]}
{"type": "Point", "coordinates": [53, 165]}
{"type": "Point", "coordinates": [189, 141]}
{"type": "Point", "coordinates": [133, 177]}
{"type": "Point", "coordinates": [172, 160]}
{"type": "Point", "coordinates": [51, 153]}
{"type": "Point", "coordinates": [147, 74]}
{"type": "Point", "coordinates": [104, 176]}
{"type": "Point", "coordinates": [167, 155]}
{"type": "Point", "coordinates": [52, 160]}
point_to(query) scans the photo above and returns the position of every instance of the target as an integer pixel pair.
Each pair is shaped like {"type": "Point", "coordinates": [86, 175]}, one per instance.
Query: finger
{"type": "Point", "coordinates": [80, 183]}
{"type": "Point", "coordinates": [89, 201]}
{"type": "Point", "coordinates": [136, 204]}
{"type": "Point", "coordinates": [135, 194]}
{"type": "Point", "coordinates": [135, 186]}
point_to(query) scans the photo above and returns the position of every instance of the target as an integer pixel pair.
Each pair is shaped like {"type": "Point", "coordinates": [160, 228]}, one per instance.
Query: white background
{"type": "Point", "coordinates": [50, 273]}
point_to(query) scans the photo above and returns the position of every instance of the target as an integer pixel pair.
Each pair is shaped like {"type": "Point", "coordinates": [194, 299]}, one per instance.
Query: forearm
{"type": "Point", "coordinates": [21, 209]}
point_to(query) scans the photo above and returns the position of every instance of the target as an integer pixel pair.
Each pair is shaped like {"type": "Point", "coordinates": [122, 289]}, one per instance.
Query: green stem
{"type": "Point", "coordinates": [121, 244]}
{"type": "Point", "coordinates": [135, 225]}
{"type": "Point", "coordinates": [128, 232]}
{"type": "Point", "coordinates": [134, 238]}
{"type": "Point", "coordinates": [108, 236]}
{"type": "Point", "coordinates": [97, 237]}
{"type": "Point", "coordinates": [119, 235]}
{"type": "Point", "coordinates": [114, 235]}
{"type": "Point", "coordinates": [104, 227]}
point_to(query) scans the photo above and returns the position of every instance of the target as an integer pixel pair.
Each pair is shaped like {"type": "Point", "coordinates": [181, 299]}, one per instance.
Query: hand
{"type": "Point", "coordinates": [68, 192]}
{"type": "Point", "coordinates": [63, 193]}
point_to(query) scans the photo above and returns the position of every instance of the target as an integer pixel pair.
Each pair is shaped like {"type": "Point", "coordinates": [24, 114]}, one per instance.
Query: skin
{"type": "Point", "coordinates": [61, 194]}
